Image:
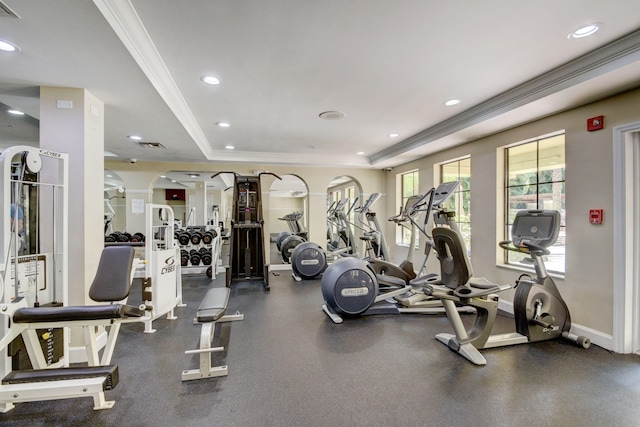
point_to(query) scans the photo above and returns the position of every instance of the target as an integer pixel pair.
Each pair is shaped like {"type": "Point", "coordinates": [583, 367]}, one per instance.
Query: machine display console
{"type": "Point", "coordinates": [540, 227]}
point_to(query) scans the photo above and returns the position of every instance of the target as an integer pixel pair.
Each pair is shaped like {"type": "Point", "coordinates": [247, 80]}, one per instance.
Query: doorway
{"type": "Point", "coordinates": [626, 275]}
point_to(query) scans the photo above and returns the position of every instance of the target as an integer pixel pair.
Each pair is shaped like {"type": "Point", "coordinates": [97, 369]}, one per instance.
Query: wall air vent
{"type": "Point", "coordinates": [6, 11]}
{"type": "Point", "coordinates": [150, 144]}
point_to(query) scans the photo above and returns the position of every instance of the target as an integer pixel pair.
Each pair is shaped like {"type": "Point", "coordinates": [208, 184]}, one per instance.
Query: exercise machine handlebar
{"type": "Point", "coordinates": [527, 247]}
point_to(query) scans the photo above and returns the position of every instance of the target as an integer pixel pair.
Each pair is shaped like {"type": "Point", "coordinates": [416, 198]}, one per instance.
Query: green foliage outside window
{"type": "Point", "coordinates": [535, 179]}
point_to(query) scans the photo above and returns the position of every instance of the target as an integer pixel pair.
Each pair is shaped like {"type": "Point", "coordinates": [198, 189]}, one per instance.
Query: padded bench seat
{"type": "Point", "coordinates": [211, 311]}
{"type": "Point", "coordinates": [110, 372]}
{"type": "Point", "coordinates": [213, 305]}
{"type": "Point", "coordinates": [75, 313]}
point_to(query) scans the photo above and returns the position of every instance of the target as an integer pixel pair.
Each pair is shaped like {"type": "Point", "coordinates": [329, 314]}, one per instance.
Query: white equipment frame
{"type": "Point", "coordinates": [162, 268]}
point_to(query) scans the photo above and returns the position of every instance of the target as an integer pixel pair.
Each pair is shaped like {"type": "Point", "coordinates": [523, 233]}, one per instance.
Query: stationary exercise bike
{"type": "Point", "coordinates": [539, 310]}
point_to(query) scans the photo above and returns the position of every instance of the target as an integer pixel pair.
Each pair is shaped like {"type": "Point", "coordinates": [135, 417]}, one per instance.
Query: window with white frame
{"type": "Point", "coordinates": [535, 179]}
{"type": "Point", "coordinates": [460, 202]}
{"type": "Point", "coordinates": [409, 186]}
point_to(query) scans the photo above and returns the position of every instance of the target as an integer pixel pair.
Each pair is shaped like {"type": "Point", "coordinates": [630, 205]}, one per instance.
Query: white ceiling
{"type": "Point", "coordinates": [388, 66]}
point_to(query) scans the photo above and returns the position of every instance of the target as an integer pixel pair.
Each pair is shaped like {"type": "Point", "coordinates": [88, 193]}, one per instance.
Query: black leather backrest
{"type": "Point", "coordinates": [455, 267]}
{"type": "Point", "coordinates": [113, 278]}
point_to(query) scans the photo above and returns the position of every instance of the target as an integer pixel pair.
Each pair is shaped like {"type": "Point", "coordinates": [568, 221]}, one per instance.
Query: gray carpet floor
{"type": "Point", "coordinates": [289, 365]}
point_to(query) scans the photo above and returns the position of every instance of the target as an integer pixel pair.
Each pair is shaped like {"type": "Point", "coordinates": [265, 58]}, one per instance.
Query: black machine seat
{"type": "Point", "coordinates": [213, 305]}
{"type": "Point", "coordinates": [456, 271]}
{"type": "Point", "coordinates": [75, 313]}
{"type": "Point", "coordinates": [110, 373]}
{"type": "Point", "coordinates": [111, 283]}
{"type": "Point", "coordinates": [113, 278]}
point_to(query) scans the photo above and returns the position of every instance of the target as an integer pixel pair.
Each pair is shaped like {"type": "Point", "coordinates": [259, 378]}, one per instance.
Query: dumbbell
{"type": "Point", "coordinates": [196, 237]}
{"type": "Point", "coordinates": [137, 238]}
{"type": "Point", "coordinates": [210, 272]}
{"type": "Point", "coordinates": [184, 238]}
{"type": "Point", "coordinates": [184, 258]}
{"type": "Point", "coordinates": [208, 236]}
{"type": "Point", "coordinates": [207, 257]}
{"type": "Point", "coordinates": [195, 257]}
{"type": "Point", "coordinates": [116, 236]}
{"type": "Point", "coordinates": [120, 237]}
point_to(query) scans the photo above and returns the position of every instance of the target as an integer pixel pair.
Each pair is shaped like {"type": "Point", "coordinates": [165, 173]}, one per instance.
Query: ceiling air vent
{"type": "Point", "coordinates": [6, 11]}
{"type": "Point", "coordinates": [150, 144]}
{"type": "Point", "coordinates": [331, 115]}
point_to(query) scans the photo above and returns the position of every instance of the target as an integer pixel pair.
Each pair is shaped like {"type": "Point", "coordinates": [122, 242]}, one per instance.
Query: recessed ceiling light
{"type": "Point", "coordinates": [229, 147]}
{"type": "Point", "coordinates": [585, 31]}
{"type": "Point", "coordinates": [109, 176]}
{"type": "Point", "coordinates": [451, 102]}
{"type": "Point", "coordinates": [210, 80]}
{"type": "Point", "coordinates": [173, 180]}
{"type": "Point", "coordinates": [223, 124]}
{"type": "Point", "coordinates": [135, 137]}
{"type": "Point", "coordinates": [331, 115]}
{"type": "Point", "coordinates": [360, 153]}
{"type": "Point", "coordinates": [6, 46]}
{"type": "Point", "coordinates": [394, 135]}
{"type": "Point", "coordinates": [15, 112]}
{"type": "Point", "coordinates": [163, 176]}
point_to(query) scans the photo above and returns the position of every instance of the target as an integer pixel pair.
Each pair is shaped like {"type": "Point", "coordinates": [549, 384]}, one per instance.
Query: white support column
{"type": "Point", "coordinates": [317, 219]}
{"type": "Point", "coordinates": [200, 203]}
{"type": "Point", "coordinates": [72, 121]}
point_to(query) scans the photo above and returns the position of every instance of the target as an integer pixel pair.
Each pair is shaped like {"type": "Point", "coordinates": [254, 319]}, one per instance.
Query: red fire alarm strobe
{"type": "Point", "coordinates": [595, 123]}
{"type": "Point", "coordinates": [596, 216]}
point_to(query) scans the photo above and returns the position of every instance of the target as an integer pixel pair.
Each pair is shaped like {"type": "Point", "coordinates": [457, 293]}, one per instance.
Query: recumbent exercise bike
{"type": "Point", "coordinates": [540, 312]}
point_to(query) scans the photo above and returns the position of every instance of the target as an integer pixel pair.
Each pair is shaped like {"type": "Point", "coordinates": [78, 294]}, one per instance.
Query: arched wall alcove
{"type": "Point", "coordinates": [287, 196]}
{"type": "Point", "coordinates": [115, 204]}
{"type": "Point", "coordinates": [194, 196]}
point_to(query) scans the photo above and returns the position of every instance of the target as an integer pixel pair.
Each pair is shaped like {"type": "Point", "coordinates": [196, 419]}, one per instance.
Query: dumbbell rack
{"type": "Point", "coordinates": [197, 244]}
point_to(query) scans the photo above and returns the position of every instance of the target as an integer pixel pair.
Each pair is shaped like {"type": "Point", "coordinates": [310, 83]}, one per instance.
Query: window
{"type": "Point", "coordinates": [460, 202]}
{"type": "Point", "coordinates": [350, 192]}
{"type": "Point", "coordinates": [334, 197]}
{"type": "Point", "coordinates": [409, 187]}
{"type": "Point", "coordinates": [535, 179]}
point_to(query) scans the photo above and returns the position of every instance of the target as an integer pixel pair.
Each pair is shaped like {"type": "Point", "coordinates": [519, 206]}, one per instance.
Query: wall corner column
{"type": "Point", "coordinates": [72, 121]}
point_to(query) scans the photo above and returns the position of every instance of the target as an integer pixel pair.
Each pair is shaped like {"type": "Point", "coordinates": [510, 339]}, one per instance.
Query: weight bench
{"type": "Point", "coordinates": [111, 284]}
{"type": "Point", "coordinates": [211, 311]}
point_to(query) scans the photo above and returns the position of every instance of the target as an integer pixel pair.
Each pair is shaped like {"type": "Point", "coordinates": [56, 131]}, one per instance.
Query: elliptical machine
{"type": "Point", "coordinates": [376, 244]}
{"type": "Point", "coordinates": [309, 260]}
{"type": "Point", "coordinates": [539, 310]}
{"type": "Point", "coordinates": [286, 242]}
{"type": "Point", "coordinates": [430, 202]}
{"type": "Point", "coordinates": [340, 239]}
{"type": "Point", "coordinates": [353, 287]}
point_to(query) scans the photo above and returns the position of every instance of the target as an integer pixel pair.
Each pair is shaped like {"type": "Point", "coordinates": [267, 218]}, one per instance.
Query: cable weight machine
{"type": "Point", "coordinates": [246, 248]}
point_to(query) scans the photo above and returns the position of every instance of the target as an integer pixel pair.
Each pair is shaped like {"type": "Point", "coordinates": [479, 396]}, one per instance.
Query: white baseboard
{"type": "Point", "coordinates": [279, 267]}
